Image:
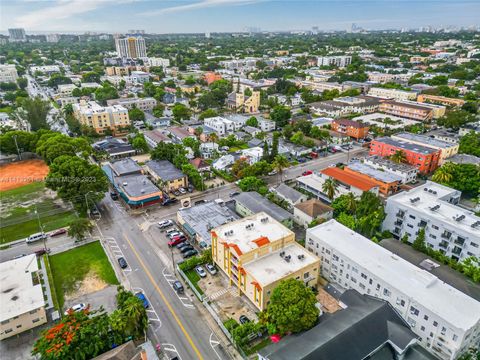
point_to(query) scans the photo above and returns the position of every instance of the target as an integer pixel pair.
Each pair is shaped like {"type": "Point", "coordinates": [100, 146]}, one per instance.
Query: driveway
{"type": "Point", "coordinates": [105, 297]}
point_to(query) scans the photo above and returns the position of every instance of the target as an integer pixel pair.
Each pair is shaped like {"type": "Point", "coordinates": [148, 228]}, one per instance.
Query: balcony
{"type": "Point", "coordinates": [398, 223]}
{"type": "Point", "coordinates": [443, 244]}
{"type": "Point", "coordinates": [446, 235]}
{"type": "Point", "coordinates": [400, 214]}
{"type": "Point", "coordinates": [422, 223]}
{"type": "Point", "coordinates": [457, 250]}
{"type": "Point", "coordinates": [459, 241]}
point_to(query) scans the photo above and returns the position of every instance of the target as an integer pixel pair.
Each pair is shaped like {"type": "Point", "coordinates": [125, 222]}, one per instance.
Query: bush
{"type": "Point", "coordinates": [230, 324]}
{"type": "Point", "coordinates": [205, 257]}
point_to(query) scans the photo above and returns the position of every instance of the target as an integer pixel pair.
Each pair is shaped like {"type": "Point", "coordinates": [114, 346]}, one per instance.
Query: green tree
{"type": "Point", "coordinates": [454, 119]}
{"type": "Point", "coordinates": [251, 183]}
{"type": "Point", "coordinates": [22, 83]}
{"type": "Point", "coordinates": [347, 220]}
{"type": "Point", "coordinates": [330, 188]}
{"type": "Point", "coordinates": [158, 110]}
{"type": "Point", "coordinates": [91, 77]}
{"type": "Point", "coordinates": [470, 266]}
{"type": "Point", "coordinates": [464, 177]}
{"type": "Point", "coordinates": [26, 141]}
{"type": "Point", "coordinates": [136, 114]}
{"type": "Point", "coordinates": [75, 180]}
{"type": "Point", "coordinates": [470, 144]}
{"type": "Point", "coordinates": [351, 202]}
{"type": "Point", "coordinates": [399, 157]}
{"type": "Point", "coordinates": [281, 115]}
{"type": "Point", "coordinates": [419, 242]}
{"type": "Point", "coordinates": [104, 93]}
{"type": "Point", "coordinates": [8, 86]}
{"type": "Point", "coordinates": [252, 121]}
{"type": "Point", "coordinates": [181, 112]}
{"type": "Point", "coordinates": [292, 308]}
{"type": "Point", "coordinates": [280, 163]}
{"type": "Point", "coordinates": [207, 114]}
{"type": "Point", "coordinates": [35, 112]}
{"type": "Point", "coordinates": [298, 138]}
{"type": "Point", "coordinates": [79, 228]}
{"type": "Point", "coordinates": [194, 176]}
{"type": "Point", "coordinates": [139, 143]}
{"type": "Point", "coordinates": [444, 174]}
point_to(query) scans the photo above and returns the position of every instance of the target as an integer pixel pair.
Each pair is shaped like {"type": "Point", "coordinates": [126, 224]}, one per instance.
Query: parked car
{"type": "Point", "coordinates": [198, 202]}
{"type": "Point", "coordinates": [114, 195]}
{"type": "Point", "coordinates": [176, 233]}
{"type": "Point", "coordinates": [169, 201]}
{"type": "Point", "coordinates": [165, 223]}
{"type": "Point", "coordinates": [186, 248]}
{"type": "Point", "coordinates": [122, 262]}
{"type": "Point", "coordinates": [182, 191]}
{"type": "Point", "coordinates": [243, 319]}
{"type": "Point", "coordinates": [176, 241]}
{"type": "Point", "coordinates": [35, 237]}
{"type": "Point", "coordinates": [302, 160]}
{"type": "Point", "coordinates": [200, 271]}
{"type": "Point", "coordinates": [144, 300]}
{"type": "Point", "coordinates": [182, 245]}
{"type": "Point", "coordinates": [176, 192]}
{"type": "Point", "coordinates": [182, 236]}
{"type": "Point", "coordinates": [41, 252]}
{"type": "Point", "coordinates": [235, 193]}
{"type": "Point", "coordinates": [178, 287]}
{"type": "Point", "coordinates": [94, 211]}
{"type": "Point", "coordinates": [170, 231]}
{"type": "Point", "coordinates": [190, 188]}
{"type": "Point", "coordinates": [273, 172]}
{"type": "Point", "coordinates": [211, 269]}
{"type": "Point", "coordinates": [76, 308]}
{"type": "Point", "coordinates": [190, 253]}
{"type": "Point", "coordinates": [307, 172]}
{"type": "Point", "coordinates": [58, 232]}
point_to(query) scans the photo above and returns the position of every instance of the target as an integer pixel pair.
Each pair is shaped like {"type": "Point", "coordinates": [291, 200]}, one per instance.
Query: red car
{"type": "Point", "coordinates": [307, 172]}
{"type": "Point", "coordinates": [58, 232]}
{"type": "Point", "coordinates": [176, 240]}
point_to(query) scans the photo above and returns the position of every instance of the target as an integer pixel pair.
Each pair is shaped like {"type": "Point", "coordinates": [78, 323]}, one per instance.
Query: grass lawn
{"type": "Point", "coordinates": [194, 278]}
{"type": "Point", "coordinates": [50, 282]}
{"type": "Point", "coordinates": [252, 350]}
{"type": "Point", "coordinates": [49, 223]}
{"type": "Point", "coordinates": [71, 267]}
{"type": "Point", "coordinates": [22, 193]}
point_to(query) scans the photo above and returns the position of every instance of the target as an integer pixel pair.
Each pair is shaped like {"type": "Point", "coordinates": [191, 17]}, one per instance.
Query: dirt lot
{"type": "Point", "coordinates": [21, 173]}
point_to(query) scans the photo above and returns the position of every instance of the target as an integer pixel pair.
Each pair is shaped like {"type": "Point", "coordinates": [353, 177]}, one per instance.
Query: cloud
{"type": "Point", "coordinates": [198, 5]}
{"type": "Point", "coordinates": [61, 10]}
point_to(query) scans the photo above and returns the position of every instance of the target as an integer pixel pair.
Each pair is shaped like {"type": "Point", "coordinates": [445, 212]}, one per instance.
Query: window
{"type": "Point", "coordinates": [307, 274]}
{"type": "Point", "coordinates": [411, 217]}
{"type": "Point", "coordinates": [432, 236]}
{"type": "Point", "coordinates": [444, 330]}
{"type": "Point", "coordinates": [378, 286]}
{"type": "Point", "coordinates": [354, 280]}
{"type": "Point", "coordinates": [362, 286]}
{"type": "Point", "coordinates": [33, 311]}
{"type": "Point", "coordinates": [335, 257]}
{"type": "Point", "coordinates": [363, 275]}
{"type": "Point", "coordinates": [435, 323]}
{"type": "Point", "coordinates": [425, 317]}
{"type": "Point", "coordinates": [5, 322]}
{"type": "Point", "coordinates": [354, 269]}
{"type": "Point", "coordinates": [435, 227]}
{"type": "Point", "coordinates": [386, 292]}
{"type": "Point", "coordinates": [422, 328]}
{"type": "Point", "coordinates": [474, 244]}
{"type": "Point", "coordinates": [19, 326]}
{"type": "Point", "coordinates": [8, 331]}
{"type": "Point", "coordinates": [454, 337]}
{"type": "Point", "coordinates": [370, 281]}
{"type": "Point", "coordinates": [410, 226]}
{"type": "Point", "coordinates": [414, 311]}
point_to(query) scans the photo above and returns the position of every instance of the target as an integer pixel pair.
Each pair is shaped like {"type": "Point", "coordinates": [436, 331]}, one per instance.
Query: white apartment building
{"type": "Point", "coordinates": [45, 69]}
{"type": "Point", "coordinates": [339, 61]}
{"type": "Point", "coordinates": [131, 47]}
{"type": "Point", "coordinates": [252, 155]}
{"type": "Point", "coordinates": [265, 125]}
{"type": "Point", "coordinates": [8, 73]}
{"type": "Point", "coordinates": [406, 172]}
{"type": "Point", "coordinates": [144, 104]}
{"type": "Point", "coordinates": [65, 90]}
{"type": "Point", "coordinates": [448, 228]}
{"type": "Point", "coordinates": [221, 125]}
{"type": "Point", "coordinates": [446, 320]}
{"type": "Point", "coordinates": [155, 61]}
{"type": "Point", "coordinates": [21, 296]}
{"type": "Point", "coordinates": [392, 93]}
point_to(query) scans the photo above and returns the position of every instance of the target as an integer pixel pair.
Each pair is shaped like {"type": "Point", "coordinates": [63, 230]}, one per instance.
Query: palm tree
{"type": "Point", "coordinates": [329, 187]}
{"type": "Point", "coordinates": [280, 162]}
{"type": "Point", "coordinates": [351, 202]}
{"type": "Point", "coordinates": [442, 175]}
{"type": "Point", "coordinates": [136, 316]}
{"type": "Point", "coordinates": [213, 137]}
{"type": "Point", "coordinates": [399, 157]}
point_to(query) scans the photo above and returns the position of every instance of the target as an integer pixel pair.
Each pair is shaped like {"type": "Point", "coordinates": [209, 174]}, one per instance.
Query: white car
{"type": "Point", "coordinates": [168, 232]}
{"type": "Point", "coordinates": [201, 271]}
{"type": "Point", "coordinates": [165, 223]}
{"type": "Point", "coordinates": [182, 190]}
{"type": "Point", "coordinates": [211, 269]}
{"type": "Point", "coordinates": [176, 233]}
{"type": "Point", "coordinates": [76, 308]}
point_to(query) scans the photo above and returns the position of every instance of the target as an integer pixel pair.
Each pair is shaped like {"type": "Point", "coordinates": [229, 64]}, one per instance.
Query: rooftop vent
{"type": "Point", "coordinates": [414, 200]}
{"type": "Point", "coordinates": [475, 224]}
{"type": "Point", "coordinates": [282, 253]}
{"type": "Point", "coordinates": [460, 218]}
{"type": "Point", "coordinates": [264, 220]}
{"type": "Point", "coordinates": [287, 258]}
{"type": "Point", "coordinates": [435, 208]}
{"type": "Point", "coordinates": [125, 184]}
{"type": "Point", "coordinates": [301, 257]}
{"type": "Point", "coordinates": [142, 191]}
{"type": "Point", "coordinates": [425, 189]}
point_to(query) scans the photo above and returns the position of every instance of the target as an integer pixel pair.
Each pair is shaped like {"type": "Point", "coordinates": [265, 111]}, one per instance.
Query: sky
{"type": "Point", "coordinates": [186, 16]}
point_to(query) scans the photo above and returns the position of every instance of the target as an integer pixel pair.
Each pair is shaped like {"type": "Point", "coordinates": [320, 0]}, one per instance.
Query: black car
{"type": "Point", "coordinates": [114, 195]}
{"type": "Point", "coordinates": [178, 287]}
{"type": "Point", "coordinates": [122, 262]}
{"type": "Point", "coordinates": [233, 194]}
{"type": "Point", "coordinates": [198, 202]}
{"type": "Point", "coordinates": [186, 249]}
{"type": "Point", "coordinates": [190, 253]}
{"type": "Point", "coordinates": [243, 319]}
{"type": "Point", "coordinates": [182, 245]}
{"type": "Point", "coordinates": [169, 201]}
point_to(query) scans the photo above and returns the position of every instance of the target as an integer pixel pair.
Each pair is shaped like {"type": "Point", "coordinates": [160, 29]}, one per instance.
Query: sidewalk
{"type": "Point", "coordinates": [47, 284]}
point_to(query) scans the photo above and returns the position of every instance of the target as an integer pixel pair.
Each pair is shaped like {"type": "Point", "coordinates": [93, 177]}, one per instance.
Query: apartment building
{"type": "Point", "coordinates": [382, 78]}
{"type": "Point", "coordinates": [345, 105]}
{"type": "Point", "coordinates": [440, 100]}
{"type": "Point", "coordinates": [446, 149]}
{"type": "Point", "coordinates": [132, 47]}
{"type": "Point", "coordinates": [448, 228]}
{"type": "Point", "coordinates": [221, 125]}
{"type": "Point", "coordinates": [446, 320]}
{"type": "Point", "coordinates": [265, 125]}
{"type": "Point", "coordinates": [392, 93]}
{"type": "Point", "coordinates": [352, 128]}
{"type": "Point", "coordinates": [102, 118]}
{"type": "Point", "coordinates": [65, 90]}
{"type": "Point", "coordinates": [387, 183]}
{"type": "Point", "coordinates": [338, 61]}
{"type": "Point", "coordinates": [156, 61]}
{"type": "Point", "coordinates": [407, 110]}
{"type": "Point", "coordinates": [437, 110]}
{"type": "Point", "coordinates": [257, 252]}
{"type": "Point", "coordinates": [425, 159]}
{"type": "Point", "coordinates": [211, 77]}
{"type": "Point", "coordinates": [46, 69]}
{"type": "Point", "coordinates": [21, 296]}
{"type": "Point", "coordinates": [8, 73]}
{"type": "Point", "coordinates": [407, 173]}
{"type": "Point", "coordinates": [323, 86]}
{"type": "Point", "coordinates": [155, 137]}
{"type": "Point", "coordinates": [17, 35]}
{"type": "Point", "coordinates": [144, 104]}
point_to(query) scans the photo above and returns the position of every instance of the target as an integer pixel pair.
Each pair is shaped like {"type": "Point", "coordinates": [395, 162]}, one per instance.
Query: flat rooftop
{"type": "Point", "coordinates": [446, 212]}
{"type": "Point", "coordinates": [18, 294]}
{"type": "Point", "coordinates": [464, 159]}
{"type": "Point", "coordinates": [382, 176]}
{"type": "Point", "coordinates": [273, 267]}
{"type": "Point", "coordinates": [349, 178]}
{"type": "Point", "coordinates": [427, 140]}
{"type": "Point", "coordinates": [418, 284]}
{"type": "Point", "coordinates": [125, 166]}
{"type": "Point", "coordinates": [137, 185]}
{"type": "Point", "coordinates": [245, 237]}
{"type": "Point", "coordinates": [256, 203]}
{"type": "Point", "coordinates": [382, 161]}
{"type": "Point", "coordinates": [403, 144]}
{"type": "Point", "coordinates": [165, 170]}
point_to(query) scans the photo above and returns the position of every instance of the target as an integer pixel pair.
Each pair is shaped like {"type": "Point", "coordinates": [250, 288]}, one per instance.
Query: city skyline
{"type": "Point", "coordinates": [196, 16]}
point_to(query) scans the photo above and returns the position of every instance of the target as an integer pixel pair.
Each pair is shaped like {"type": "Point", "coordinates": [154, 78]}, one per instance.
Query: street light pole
{"type": "Point", "coordinates": [86, 203]}
{"type": "Point", "coordinates": [16, 145]}
{"type": "Point", "coordinates": [41, 229]}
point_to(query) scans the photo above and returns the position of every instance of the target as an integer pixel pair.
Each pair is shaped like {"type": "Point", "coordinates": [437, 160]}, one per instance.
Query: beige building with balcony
{"type": "Point", "coordinates": [257, 252]}
{"type": "Point", "coordinates": [102, 118]}
{"type": "Point", "coordinates": [22, 306]}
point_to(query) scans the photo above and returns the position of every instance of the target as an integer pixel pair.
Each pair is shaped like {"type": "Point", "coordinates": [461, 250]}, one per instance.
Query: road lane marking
{"type": "Point", "coordinates": [214, 344]}
{"type": "Point", "coordinates": [170, 308]}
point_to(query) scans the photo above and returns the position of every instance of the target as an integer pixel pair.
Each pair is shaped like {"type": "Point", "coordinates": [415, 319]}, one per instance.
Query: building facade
{"type": "Point", "coordinates": [440, 100]}
{"type": "Point", "coordinates": [102, 118]}
{"type": "Point", "coordinates": [407, 110]}
{"type": "Point", "coordinates": [8, 73]}
{"type": "Point", "coordinates": [449, 228]}
{"type": "Point", "coordinates": [338, 61]}
{"type": "Point", "coordinates": [17, 35]}
{"type": "Point", "coordinates": [131, 47]}
{"type": "Point", "coordinates": [446, 320]}
{"type": "Point", "coordinates": [257, 252]}
{"type": "Point", "coordinates": [144, 104]}
{"type": "Point", "coordinates": [352, 128]}
{"type": "Point", "coordinates": [406, 172]}
{"type": "Point", "coordinates": [425, 159]}
{"type": "Point", "coordinates": [392, 93]}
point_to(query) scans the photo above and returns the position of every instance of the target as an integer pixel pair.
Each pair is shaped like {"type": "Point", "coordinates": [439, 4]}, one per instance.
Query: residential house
{"type": "Point", "coordinates": [155, 137]}
{"type": "Point", "coordinates": [304, 213]}
{"type": "Point", "coordinates": [166, 174]}
{"type": "Point", "coordinates": [289, 194]}
{"type": "Point", "coordinates": [252, 155]}
{"type": "Point", "coordinates": [115, 148]}
{"type": "Point", "coordinates": [387, 183]}
{"type": "Point", "coordinates": [407, 173]}
{"type": "Point", "coordinates": [224, 162]}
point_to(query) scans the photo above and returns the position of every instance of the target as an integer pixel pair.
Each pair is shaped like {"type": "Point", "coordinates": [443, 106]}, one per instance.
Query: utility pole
{"type": "Point", "coordinates": [16, 145]}
{"type": "Point", "coordinates": [173, 262]}
{"type": "Point", "coordinates": [41, 229]}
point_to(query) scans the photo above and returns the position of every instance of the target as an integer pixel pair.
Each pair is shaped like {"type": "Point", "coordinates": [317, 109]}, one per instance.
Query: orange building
{"type": "Point", "coordinates": [211, 76]}
{"type": "Point", "coordinates": [440, 100]}
{"type": "Point", "coordinates": [354, 129]}
{"type": "Point", "coordinates": [351, 181]}
{"type": "Point", "coordinates": [387, 183]}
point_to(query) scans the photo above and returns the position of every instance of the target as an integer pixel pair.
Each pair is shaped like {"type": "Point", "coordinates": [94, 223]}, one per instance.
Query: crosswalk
{"type": "Point", "coordinates": [233, 291]}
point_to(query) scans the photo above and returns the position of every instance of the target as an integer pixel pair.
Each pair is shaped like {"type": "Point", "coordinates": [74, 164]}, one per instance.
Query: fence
{"type": "Point", "coordinates": [187, 280]}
